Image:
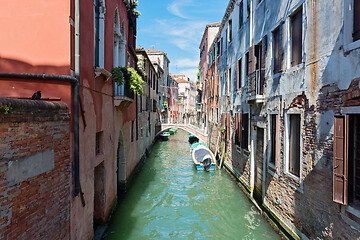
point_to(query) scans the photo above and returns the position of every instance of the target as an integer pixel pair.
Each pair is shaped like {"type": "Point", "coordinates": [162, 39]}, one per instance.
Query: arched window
{"type": "Point", "coordinates": [99, 15]}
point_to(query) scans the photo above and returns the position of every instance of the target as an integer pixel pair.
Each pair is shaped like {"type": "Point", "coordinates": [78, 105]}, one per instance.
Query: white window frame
{"type": "Point", "coordinates": [349, 45]}
{"type": "Point", "coordinates": [101, 41]}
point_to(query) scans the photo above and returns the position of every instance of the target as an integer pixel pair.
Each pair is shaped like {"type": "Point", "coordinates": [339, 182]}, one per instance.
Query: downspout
{"type": "Point", "coordinates": [76, 96]}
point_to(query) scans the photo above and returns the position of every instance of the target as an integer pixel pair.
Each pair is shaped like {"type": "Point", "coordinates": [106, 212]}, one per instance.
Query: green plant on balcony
{"type": "Point", "coordinates": [130, 75]}
{"type": "Point", "coordinates": [165, 104]}
{"type": "Point", "coordinates": [223, 129]}
{"type": "Point", "coordinates": [135, 81]}
{"type": "Point", "coordinates": [118, 75]}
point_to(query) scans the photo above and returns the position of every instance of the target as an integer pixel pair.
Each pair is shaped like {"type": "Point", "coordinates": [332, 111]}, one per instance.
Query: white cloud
{"type": "Point", "coordinates": [176, 6]}
{"type": "Point", "coordinates": [190, 73]}
{"type": "Point", "coordinates": [186, 62]}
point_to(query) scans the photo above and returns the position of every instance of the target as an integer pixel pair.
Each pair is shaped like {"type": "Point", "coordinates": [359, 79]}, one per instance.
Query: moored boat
{"type": "Point", "coordinates": [203, 158]}
{"type": "Point", "coordinates": [172, 131]}
{"type": "Point", "coordinates": [165, 136]}
{"type": "Point", "coordinates": [193, 138]}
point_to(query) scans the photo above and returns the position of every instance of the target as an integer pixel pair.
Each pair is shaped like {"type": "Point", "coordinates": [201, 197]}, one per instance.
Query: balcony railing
{"type": "Point", "coordinates": [255, 86]}
{"type": "Point", "coordinates": [123, 96]}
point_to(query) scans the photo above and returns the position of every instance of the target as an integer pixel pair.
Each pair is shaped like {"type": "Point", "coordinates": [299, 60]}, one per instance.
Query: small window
{"type": "Point", "coordinates": [294, 144]}
{"type": "Point", "coordinates": [241, 14]}
{"type": "Point", "coordinates": [238, 74]}
{"type": "Point", "coordinates": [246, 66]}
{"type": "Point", "coordinates": [356, 22]}
{"type": "Point", "coordinates": [296, 38]}
{"type": "Point", "coordinates": [274, 133]}
{"type": "Point", "coordinates": [244, 131]}
{"type": "Point", "coordinates": [277, 49]}
{"type": "Point", "coordinates": [132, 131]}
{"type": "Point", "coordinates": [230, 30]}
{"type": "Point", "coordinates": [222, 46]}
{"type": "Point", "coordinates": [99, 143]}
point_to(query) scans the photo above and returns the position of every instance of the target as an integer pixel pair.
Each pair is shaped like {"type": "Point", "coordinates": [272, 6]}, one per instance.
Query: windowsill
{"type": "Point", "coordinates": [352, 46]}
{"type": "Point", "coordinates": [99, 159]}
{"type": "Point", "coordinates": [272, 170]}
{"type": "Point", "coordinates": [102, 71]}
{"type": "Point", "coordinates": [294, 182]}
{"type": "Point", "coordinates": [276, 75]}
{"type": "Point", "coordinates": [352, 214]}
{"type": "Point", "coordinates": [295, 68]}
{"type": "Point", "coordinates": [242, 151]}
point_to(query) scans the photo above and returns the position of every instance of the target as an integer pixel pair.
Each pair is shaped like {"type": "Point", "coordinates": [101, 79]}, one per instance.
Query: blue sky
{"type": "Point", "coordinates": [176, 27]}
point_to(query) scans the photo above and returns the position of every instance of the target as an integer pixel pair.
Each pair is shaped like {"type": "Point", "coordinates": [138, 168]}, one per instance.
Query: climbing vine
{"type": "Point", "coordinates": [6, 109]}
{"type": "Point", "coordinates": [131, 76]}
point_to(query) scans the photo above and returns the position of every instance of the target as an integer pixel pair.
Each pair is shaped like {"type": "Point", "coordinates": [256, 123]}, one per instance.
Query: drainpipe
{"type": "Point", "coordinates": [76, 99]}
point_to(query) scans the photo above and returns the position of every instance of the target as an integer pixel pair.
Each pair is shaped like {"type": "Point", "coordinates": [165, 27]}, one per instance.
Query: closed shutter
{"type": "Point", "coordinates": [251, 60]}
{"type": "Point", "coordinates": [281, 46]}
{"type": "Point", "coordinates": [237, 75]}
{"type": "Point", "coordinates": [340, 161]}
{"type": "Point", "coordinates": [356, 34]}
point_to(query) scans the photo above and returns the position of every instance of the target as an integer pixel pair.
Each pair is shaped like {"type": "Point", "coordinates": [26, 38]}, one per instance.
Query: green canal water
{"type": "Point", "coordinates": [169, 199]}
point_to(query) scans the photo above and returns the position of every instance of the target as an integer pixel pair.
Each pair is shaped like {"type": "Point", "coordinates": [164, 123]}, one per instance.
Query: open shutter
{"type": "Point", "coordinates": [281, 46]}
{"type": "Point", "coordinates": [340, 161]}
{"type": "Point", "coordinates": [356, 22]}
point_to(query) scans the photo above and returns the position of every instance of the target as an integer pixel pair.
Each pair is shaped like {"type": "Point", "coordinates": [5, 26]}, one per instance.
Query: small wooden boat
{"type": "Point", "coordinates": [193, 138]}
{"type": "Point", "coordinates": [203, 158]}
{"type": "Point", "coordinates": [165, 136]}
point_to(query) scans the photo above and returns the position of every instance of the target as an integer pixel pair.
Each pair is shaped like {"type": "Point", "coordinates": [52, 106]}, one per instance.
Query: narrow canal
{"type": "Point", "coordinates": [170, 199]}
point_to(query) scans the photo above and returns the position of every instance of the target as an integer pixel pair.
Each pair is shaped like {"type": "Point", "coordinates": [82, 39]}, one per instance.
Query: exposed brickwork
{"type": "Point", "coordinates": [39, 207]}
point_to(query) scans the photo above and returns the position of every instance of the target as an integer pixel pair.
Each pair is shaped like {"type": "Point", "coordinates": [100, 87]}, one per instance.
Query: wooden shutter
{"type": "Point", "coordinates": [296, 23]}
{"type": "Point", "coordinates": [340, 161]}
{"type": "Point", "coordinates": [356, 22]}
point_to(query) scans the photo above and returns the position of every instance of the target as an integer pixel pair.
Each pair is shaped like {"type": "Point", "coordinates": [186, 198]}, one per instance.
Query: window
{"type": "Point", "coordinates": [244, 131]}
{"type": "Point", "coordinates": [229, 81]}
{"type": "Point", "coordinates": [99, 12]}
{"type": "Point", "coordinates": [346, 163]}
{"type": "Point", "coordinates": [132, 131]}
{"type": "Point", "coordinates": [99, 143]}
{"type": "Point", "coordinates": [221, 46]}
{"type": "Point", "coordinates": [293, 151]}
{"type": "Point", "coordinates": [218, 48]}
{"type": "Point", "coordinates": [246, 66]}
{"type": "Point", "coordinates": [296, 38]}
{"type": "Point", "coordinates": [230, 30]}
{"type": "Point", "coordinates": [277, 49]}
{"type": "Point", "coordinates": [241, 14]}
{"type": "Point", "coordinates": [238, 74]}
{"type": "Point", "coordinates": [356, 22]}
{"type": "Point", "coordinates": [274, 135]}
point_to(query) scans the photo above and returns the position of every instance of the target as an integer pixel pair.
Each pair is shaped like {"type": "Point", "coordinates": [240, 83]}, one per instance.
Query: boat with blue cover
{"type": "Point", "coordinates": [202, 157]}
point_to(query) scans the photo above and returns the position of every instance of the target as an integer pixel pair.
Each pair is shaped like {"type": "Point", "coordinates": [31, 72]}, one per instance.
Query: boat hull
{"type": "Point", "coordinates": [203, 158]}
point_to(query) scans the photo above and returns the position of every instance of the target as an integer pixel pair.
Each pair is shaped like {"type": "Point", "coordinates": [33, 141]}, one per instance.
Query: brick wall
{"type": "Point", "coordinates": [35, 170]}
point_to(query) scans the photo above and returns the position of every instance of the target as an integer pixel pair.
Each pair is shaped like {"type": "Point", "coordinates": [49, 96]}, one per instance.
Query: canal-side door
{"type": "Point", "coordinates": [121, 164]}
{"type": "Point", "coordinates": [259, 158]}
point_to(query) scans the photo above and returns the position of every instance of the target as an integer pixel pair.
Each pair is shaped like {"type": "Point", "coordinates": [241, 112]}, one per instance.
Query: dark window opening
{"type": "Point", "coordinates": [356, 22]}
{"type": "Point", "coordinates": [230, 30]}
{"type": "Point", "coordinates": [238, 74]}
{"type": "Point", "coordinates": [354, 161]}
{"type": "Point", "coordinates": [278, 55]}
{"type": "Point", "coordinates": [296, 37]}
{"type": "Point", "coordinates": [99, 143]}
{"type": "Point", "coordinates": [241, 14]}
{"type": "Point", "coordinates": [274, 129]}
{"type": "Point", "coordinates": [244, 131]}
{"type": "Point", "coordinates": [294, 144]}
{"type": "Point", "coordinates": [132, 131]}
{"type": "Point", "coordinates": [97, 33]}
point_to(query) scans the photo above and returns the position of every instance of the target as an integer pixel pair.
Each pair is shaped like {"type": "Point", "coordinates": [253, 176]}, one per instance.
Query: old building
{"type": "Point", "coordinates": [161, 59]}
{"type": "Point", "coordinates": [289, 93]}
{"type": "Point", "coordinates": [203, 85]}
{"type": "Point", "coordinates": [187, 99]}
{"type": "Point", "coordinates": [173, 100]}
{"type": "Point", "coordinates": [54, 58]}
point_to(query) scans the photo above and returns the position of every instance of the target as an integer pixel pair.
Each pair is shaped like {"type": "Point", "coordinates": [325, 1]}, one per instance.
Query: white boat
{"type": "Point", "coordinates": [203, 158]}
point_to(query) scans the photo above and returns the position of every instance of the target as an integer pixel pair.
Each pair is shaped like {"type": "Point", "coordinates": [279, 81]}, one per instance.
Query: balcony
{"type": "Point", "coordinates": [255, 86]}
{"type": "Point", "coordinates": [123, 96]}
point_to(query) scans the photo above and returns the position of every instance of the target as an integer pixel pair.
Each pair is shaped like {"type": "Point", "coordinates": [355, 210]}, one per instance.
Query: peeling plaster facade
{"type": "Point", "coordinates": [292, 68]}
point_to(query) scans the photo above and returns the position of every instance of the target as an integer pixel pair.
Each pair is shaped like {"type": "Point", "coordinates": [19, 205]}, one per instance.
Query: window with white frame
{"type": "Point", "coordinates": [230, 30]}
{"type": "Point", "coordinates": [273, 139]}
{"type": "Point", "coordinates": [296, 38]}
{"type": "Point", "coordinates": [293, 143]}
{"type": "Point", "coordinates": [99, 15]}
